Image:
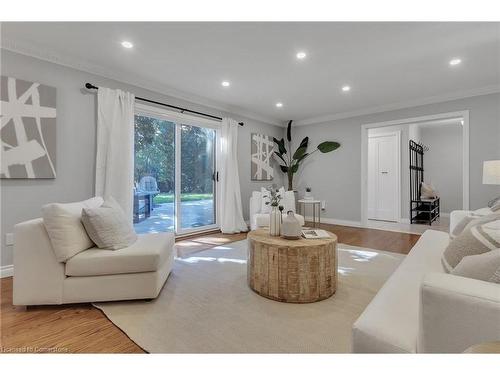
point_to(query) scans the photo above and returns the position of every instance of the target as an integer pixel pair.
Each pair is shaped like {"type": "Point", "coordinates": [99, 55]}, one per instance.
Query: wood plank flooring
{"type": "Point", "coordinates": [84, 329]}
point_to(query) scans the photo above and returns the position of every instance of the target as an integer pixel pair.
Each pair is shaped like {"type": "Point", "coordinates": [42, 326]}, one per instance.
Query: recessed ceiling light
{"type": "Point", "coordinates": [127, 44]}
{"type": "Point", "coordinates": [455, 61]}
{"type": "Point", "coordinates": [279, 104]}
{"type": "Point", "coordinates": [301, 55]}
{"type": "Point", "coordinates": [346, 88]}
{"type": "Point", "coordinates": [225, 83]}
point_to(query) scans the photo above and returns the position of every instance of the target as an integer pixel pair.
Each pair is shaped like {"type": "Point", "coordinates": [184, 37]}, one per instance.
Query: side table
{"type": "Point", "coordinates": [315, 204]}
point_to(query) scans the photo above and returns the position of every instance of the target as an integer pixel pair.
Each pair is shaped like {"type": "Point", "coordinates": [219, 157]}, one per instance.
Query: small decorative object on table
{"type": "Point", "coordinates": [273, 199]}
{"type": "Point", "coordinates": [291, 229]}
{"type": "Point", "coordinates": [308, 194]}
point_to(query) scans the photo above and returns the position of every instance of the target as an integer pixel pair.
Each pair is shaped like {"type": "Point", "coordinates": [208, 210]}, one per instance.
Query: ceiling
{"type": "Point", "coordinates": [386, 64]}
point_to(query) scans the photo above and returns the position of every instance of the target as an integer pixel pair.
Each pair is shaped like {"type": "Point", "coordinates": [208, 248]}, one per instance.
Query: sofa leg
{"type": "Point", "coordinates": [21, 308]}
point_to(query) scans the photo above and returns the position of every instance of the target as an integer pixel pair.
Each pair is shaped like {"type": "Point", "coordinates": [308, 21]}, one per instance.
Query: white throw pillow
{"type": "Point", "coordinates": [108, 226]}
{"type": "Point", "coordinates": [427, 191]}
{"type": "Point", "coordinates": [484, 267]}
{"type": "Point", "coordinates": [63, 222]}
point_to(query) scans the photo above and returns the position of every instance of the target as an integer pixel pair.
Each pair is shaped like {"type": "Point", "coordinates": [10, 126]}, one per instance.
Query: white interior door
{"type": "Point", "coordinates": [383, 177]}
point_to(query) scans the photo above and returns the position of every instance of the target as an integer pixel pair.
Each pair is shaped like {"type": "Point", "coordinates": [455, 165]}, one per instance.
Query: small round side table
{"type": "Point", "coordinates": [315, 204]}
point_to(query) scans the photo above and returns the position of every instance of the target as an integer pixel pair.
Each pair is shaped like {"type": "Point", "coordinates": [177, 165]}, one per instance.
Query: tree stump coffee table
{"type": "Point", "coordinates": [297, 271]}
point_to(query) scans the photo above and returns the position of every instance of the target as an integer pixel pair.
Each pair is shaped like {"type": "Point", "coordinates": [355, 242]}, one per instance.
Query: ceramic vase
{"type": "Point", "coordinates": [275, 222]}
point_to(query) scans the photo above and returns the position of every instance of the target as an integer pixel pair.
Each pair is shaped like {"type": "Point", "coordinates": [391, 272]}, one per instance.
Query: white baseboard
{"type": "Point", "coordinates": [7, 271]}
{"type": "Point", "coordinates": [328, 220]}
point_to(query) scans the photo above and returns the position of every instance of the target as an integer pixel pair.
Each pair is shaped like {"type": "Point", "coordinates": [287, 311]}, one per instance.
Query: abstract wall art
{"type": "Point", "coordinates": [28, 129]}
{"type": "Point", "coordinates": [262, 148]}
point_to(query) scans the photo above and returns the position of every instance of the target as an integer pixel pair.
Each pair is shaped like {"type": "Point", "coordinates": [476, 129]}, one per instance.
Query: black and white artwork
{"type": "Point", "coordinates": [262, 148]}
{"type": "Point", "coordinates": [28, 129]}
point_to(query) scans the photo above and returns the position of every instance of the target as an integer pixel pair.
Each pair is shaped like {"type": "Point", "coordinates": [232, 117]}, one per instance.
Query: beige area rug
{"type": "Point", "coordinates": [207, 307]}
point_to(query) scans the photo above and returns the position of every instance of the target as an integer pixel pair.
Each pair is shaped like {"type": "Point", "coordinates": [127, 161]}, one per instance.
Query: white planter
{"type": "Point", "coordinates": [308, 195]}
{"type": "Point", "coordinates": [275, 222]}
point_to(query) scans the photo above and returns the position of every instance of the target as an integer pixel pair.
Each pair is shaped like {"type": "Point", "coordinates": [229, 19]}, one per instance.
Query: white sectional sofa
{"type": "Point", "coordinates": [135, 272]}
{"type": "Point", "coordinates": [423, 309]}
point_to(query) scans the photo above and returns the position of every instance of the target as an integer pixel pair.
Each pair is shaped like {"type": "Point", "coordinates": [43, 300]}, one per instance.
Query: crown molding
{"type": "Point", "coordinates": [31, 50]}
{"type": "Point", "coordinates": [493, 89]}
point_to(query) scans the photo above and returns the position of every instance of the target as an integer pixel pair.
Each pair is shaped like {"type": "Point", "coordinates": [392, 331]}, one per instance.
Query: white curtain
{"type": "Point", "coordinates": [231, 215]}
{"type": "Point", "coordinates": [114, 175]}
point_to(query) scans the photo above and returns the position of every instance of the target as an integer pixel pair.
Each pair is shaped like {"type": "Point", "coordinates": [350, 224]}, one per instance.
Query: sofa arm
{"type": "Point", "coordinates": [38, 276]}
{"type": "Point", "coordinates": [456, 313]}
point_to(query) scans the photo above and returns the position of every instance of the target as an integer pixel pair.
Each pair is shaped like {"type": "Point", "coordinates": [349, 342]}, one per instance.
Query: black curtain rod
{"type": "Point", "coordinates": [90, 86]}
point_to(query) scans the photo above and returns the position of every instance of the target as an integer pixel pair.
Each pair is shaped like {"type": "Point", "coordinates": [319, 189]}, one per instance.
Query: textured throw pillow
{"type": "Point", "coordinates": [496, 206]}
{"type": "Point", "coordinates": [459, 228]}
{"type": "Point", "coordinates": [427, 191]}
{"type": "Point", "coordinates": [63, 222]}
{"type": "Point", "coordinates": [476, 240]}
{"type": "Point", "coordinates": [108, 226]}
{"type": "Point", "coordinates": [482, 220]}
{"type": "Point", "coordinates": [484, 267]}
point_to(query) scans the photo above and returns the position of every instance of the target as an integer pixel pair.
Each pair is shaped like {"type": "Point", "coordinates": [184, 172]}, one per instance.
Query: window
{"type": "Point", "coordinates": [174, 172]}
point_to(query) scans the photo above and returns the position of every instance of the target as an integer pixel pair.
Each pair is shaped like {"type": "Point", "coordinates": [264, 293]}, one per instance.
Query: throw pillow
{"type": "Point", "coordinates": [427, 191]}
{"type": "Point", "coordinates": [108, 226]}
{"type": "Point", "coordinates": [63, 222]}
{"type": "Point", "coordinates": [476, 240]}
{"type": "Point", "coordinates": [484, 267]}
{"type": "Point", "coordinates": [494, 203]}
{"type": "Point", "coordinates": [496, 206]}
{"type": "Point", "coordinates": [482, 220]}
{"type": "Point", "coordinates": [459, 228]}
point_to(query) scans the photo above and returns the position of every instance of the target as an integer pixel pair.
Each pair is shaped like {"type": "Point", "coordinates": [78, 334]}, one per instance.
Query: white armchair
{"type": "Point", "coordinates": [258, 219]}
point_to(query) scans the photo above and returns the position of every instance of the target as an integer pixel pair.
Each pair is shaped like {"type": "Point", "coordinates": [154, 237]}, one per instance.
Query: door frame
{"type": "Point", "coordinates": [397, 133]}
{"type": "Point", "coordinates": [178, 119]}
{"type": "Point", "coordinates": [407, 121]}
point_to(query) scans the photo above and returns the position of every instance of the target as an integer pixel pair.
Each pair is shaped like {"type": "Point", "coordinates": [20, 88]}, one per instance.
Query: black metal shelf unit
{"type": "Point", "coordinates": [421, 210]}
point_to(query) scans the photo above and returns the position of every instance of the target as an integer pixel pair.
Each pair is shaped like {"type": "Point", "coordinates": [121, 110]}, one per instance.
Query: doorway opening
{"type": "Point", "coordinates": [387, 190]}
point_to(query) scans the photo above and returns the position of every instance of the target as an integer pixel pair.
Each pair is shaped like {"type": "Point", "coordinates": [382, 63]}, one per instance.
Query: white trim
{"type": "Point", "coordinates": [7, 271]}
{"type": "Point", "coordinates": [31, 50]}
{"type": "Point", "coordinates": [465, 150]}
{"type": "Point", "coordinates": [397, 133]}
{"type": "Point", "coordinates": [486, 90]}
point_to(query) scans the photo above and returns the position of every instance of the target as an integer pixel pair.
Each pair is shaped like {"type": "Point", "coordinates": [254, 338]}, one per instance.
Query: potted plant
{"type": "Point", "coordinates": [289, 163]}
{"type": "Point", "coordinates": [308, 194]}
{"type": "Point", "coordinates": [274, 199]}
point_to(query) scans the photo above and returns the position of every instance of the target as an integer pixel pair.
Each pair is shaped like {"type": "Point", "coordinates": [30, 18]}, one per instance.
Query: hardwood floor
{"type": "Point", "coordinates": [84, 329]}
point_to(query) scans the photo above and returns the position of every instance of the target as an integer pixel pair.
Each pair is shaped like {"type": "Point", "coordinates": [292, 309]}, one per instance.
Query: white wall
{"type": "Point", "coordinates": [443, 163]}
{"type": "Point", "coordinates": [76, 123]}
{"type": "Point", "coordinates": [336, 177]}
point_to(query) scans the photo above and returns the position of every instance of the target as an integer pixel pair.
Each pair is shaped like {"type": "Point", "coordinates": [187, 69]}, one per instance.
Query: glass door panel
{"type": "Point", "coordinates": [154, 175]}
{"type": "Point", "coordinates": [197, 199]}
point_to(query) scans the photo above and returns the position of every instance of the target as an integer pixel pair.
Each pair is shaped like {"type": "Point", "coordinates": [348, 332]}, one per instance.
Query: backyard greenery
{"type": "Point", "coordinates": [169, 198]}
{"type": "Point", "coordinates": [155, 155]}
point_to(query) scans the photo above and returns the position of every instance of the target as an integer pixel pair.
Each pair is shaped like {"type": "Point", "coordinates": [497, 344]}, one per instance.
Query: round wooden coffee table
{"type": "Point", "coordinates": [297, 271]}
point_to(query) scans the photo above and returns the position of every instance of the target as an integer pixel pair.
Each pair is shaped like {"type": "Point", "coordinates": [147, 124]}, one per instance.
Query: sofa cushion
{"type": "Point", "coordinates": [63, 222]}
{"type": "Point", "coordinates": [390, 322]}
{"type": "Point", "coordinates": [478, 239]}
{"type": "Point", "coordinates": [147, 254]}
{"type": "Point", "coordinates": [108, 226]}
{"type": "Point", "coordinates": [262, 220]}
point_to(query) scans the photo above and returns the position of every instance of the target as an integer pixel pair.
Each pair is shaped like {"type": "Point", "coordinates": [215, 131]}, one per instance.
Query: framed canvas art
{"type": "Point", "coordinates": [262, 148]}
{"type": "Point", "coordinates": [28, 130]}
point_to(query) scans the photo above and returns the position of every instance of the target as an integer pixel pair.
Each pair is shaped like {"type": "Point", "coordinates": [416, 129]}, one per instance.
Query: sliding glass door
{"type": "Point", "coordinates": [175, 172]}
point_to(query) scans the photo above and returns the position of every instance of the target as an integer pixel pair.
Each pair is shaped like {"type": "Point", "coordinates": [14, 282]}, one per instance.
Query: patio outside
{"type": "Point", "coordinates": [197, 210]}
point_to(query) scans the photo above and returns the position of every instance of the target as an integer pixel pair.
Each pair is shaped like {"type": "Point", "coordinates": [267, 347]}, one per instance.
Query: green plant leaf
{"type": "Point", "coordinates": [289, 131]}
{"type": "Point", "coordinates": [299, 153]}
{"type": "Point", "coordinates": [281, 145]}
{"type": "Point", "coordinates": [305, 142]}
{"type": "Point", "coordinates": [284, 168]}
{"type": "Point", "coordinates": [280, 156]}
{"type": "Point", "coordinates": [295, 168]}
{"type": "Point", "coordinates": [328, 146]}
{"type": "Point", "coordinates": [302, 157]}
